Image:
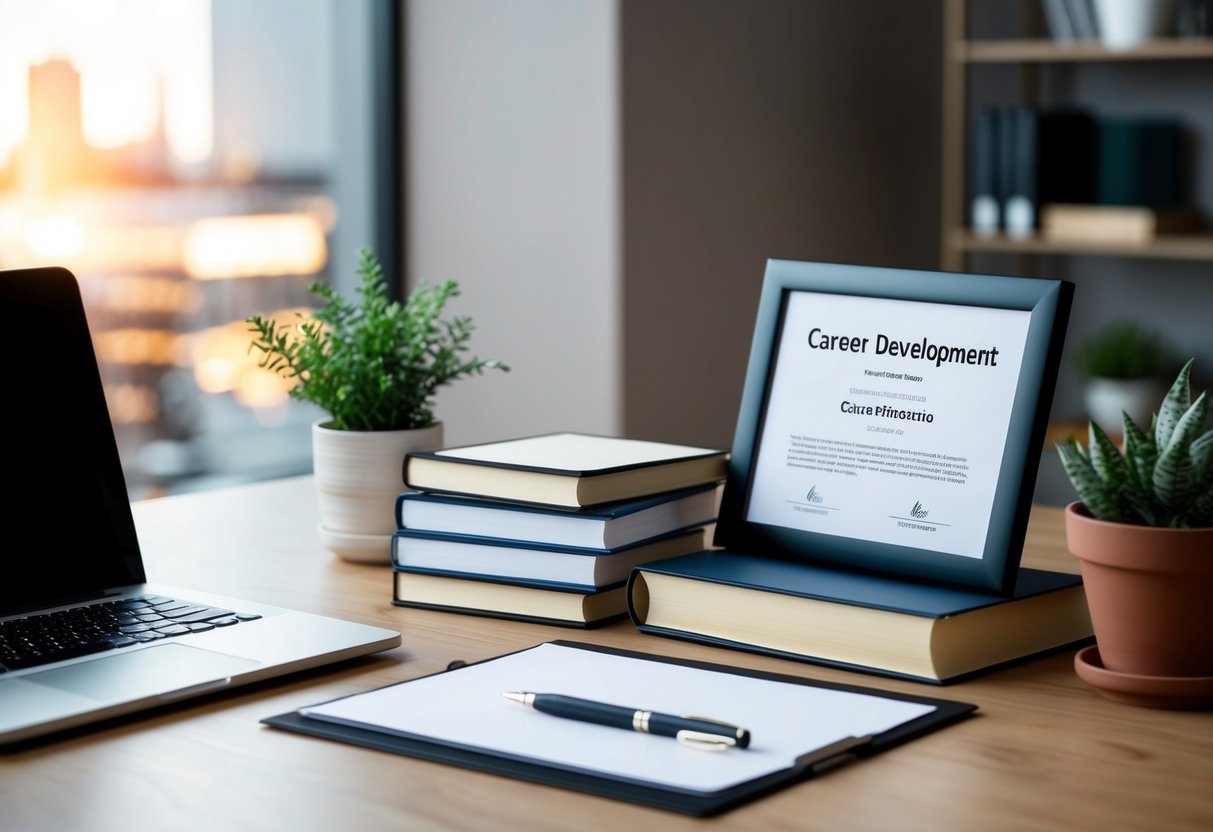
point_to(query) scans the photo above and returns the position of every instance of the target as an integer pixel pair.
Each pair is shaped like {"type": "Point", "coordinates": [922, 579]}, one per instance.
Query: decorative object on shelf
{"type": "Point", "coordinates": [1143, 532]}
{"type": "Point", "coordinates": [1124, 24]}
{"type": "Point", "coordinates": [1194, 19]}
{"type": "Point", "coordinates": [1123, 365]}
{"type": "Point", "coordinates": [375, 366]}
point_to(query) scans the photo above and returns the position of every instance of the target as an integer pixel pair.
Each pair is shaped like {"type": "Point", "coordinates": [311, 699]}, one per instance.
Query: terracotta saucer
{"type": "Point", "coordinates": [1173, 692]}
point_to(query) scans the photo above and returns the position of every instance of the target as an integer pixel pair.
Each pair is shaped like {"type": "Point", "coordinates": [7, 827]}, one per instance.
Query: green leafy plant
{"type": "Point", "coordinates": [1164, 478]}
{"type": "Point", "coordinates": [373, 365]}
{"type": "Point", "coordinates": [1123, 350]}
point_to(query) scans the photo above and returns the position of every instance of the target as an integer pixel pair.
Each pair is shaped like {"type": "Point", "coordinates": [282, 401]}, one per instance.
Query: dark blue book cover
{"type": "Point", "coordinates": [823, 583]}
{"type": "Point", "coordinates": [605, 511]}
{"type": "Point", "coordinates": [528, 545]}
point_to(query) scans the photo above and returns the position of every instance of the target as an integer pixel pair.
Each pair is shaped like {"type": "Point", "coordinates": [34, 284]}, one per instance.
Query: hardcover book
{"type": "Point", "coordinates": [828, 616]}
{"type": "Point", "coordinates": [608, 526]}
{"type": "Point", "coordinates": [564, 469]}
{"type": "Point", "coordinates": [494, 559]}
{"type": "Point", "coordinates": [562, 606]}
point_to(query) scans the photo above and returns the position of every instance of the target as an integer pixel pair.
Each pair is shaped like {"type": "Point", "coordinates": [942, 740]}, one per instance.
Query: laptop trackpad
{"type": "Point", "coordinates": [150, 672]}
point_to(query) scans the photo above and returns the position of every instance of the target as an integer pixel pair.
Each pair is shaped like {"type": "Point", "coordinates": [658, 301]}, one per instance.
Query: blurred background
{"type": "Point", "coordinates": [604, 178]}
{"type": "Point", "coordinates": [192, 162]}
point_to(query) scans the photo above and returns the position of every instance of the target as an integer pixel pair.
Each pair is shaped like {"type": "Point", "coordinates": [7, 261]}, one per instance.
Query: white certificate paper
{"type": "Point", "coordinates": [886, 420]}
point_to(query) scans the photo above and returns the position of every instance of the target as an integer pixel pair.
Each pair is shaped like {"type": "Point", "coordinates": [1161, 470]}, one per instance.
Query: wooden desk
{"type": "Point", "coordinates": [1044, 751]}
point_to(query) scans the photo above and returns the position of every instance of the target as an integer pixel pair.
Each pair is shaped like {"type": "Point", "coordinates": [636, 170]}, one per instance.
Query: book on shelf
{"type": "Point", "coordinates": [894, 627]}
{"type": "Point", "coordinates": [1142, 161]}
{"type": "Point", "coordinates": [564, 469]}
{"type": "Point", "coordinates": [985, 196]}
{"type": "Point", "coordinates": [514, 601]}
{"type": "Point", "coordinates": [520, 560]}
{"type": "Point", "coordinates": [1047, 155]}
{"type": "Point", "coordinates": [608, 526]}
{"type": "Point", "coordinates": [1057, 20]}
{"type": "Point", "coordinates": [1082, 18]}
{"type": "Point", "coordinates": [1116, 223]}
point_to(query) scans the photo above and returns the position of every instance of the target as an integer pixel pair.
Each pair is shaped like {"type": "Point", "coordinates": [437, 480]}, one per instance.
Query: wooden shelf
{"type": "Point", "coordinates": [1040, 50]}
{"type": "Point", "coordinates": [963, 56]}
{"type": "Point", "coordinates": [1167, 247]}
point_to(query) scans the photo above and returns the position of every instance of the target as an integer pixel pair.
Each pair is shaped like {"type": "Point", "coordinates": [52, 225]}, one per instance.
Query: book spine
{"type": "Point", "coordinates": [1019, 212]}
{"type": "Point", "coordinates": [985, 215]}
{"type": "Point", "coordinates": [507, 580]}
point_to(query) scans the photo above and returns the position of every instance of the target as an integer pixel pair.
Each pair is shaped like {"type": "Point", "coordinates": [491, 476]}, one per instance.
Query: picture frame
{"type": "Point", "coordinates": [892, 420]}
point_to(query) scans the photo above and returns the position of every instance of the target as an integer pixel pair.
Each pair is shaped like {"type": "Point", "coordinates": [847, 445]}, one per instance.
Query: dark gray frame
{"type": "Point", "coordinates": [1049, 303]}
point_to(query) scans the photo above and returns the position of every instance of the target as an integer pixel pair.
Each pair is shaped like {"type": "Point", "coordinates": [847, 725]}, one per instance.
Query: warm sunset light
{"type": "Point", "coordinates": [142, 64]}
{"type": "Point", "coordinates": [54, 238]}
{"type": "Point", "coordinates": [218, 248]}
{"type": "Point", "coordinates": [223, 363]}
{"type": "Point", "coordinates": [130, 404]}
{"type": "Point", "coordinates": [138, 346]}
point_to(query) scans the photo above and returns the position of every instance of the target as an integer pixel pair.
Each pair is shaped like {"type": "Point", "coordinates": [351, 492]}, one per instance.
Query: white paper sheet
{"type": "Point", "coordinates": [466, 707]}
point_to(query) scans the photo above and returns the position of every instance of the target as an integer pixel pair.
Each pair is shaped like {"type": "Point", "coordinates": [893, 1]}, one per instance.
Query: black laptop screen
{"type": "Point", "coordinates": [66, 514]}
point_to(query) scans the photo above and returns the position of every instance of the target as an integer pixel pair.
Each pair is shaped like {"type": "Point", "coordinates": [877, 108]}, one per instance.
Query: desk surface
{"type": "Point", "coordinates": [1044, 751]}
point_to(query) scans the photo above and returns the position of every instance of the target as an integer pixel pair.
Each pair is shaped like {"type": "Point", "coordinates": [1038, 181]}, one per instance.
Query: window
{"type": "Point", "coordinates": [194, 162]}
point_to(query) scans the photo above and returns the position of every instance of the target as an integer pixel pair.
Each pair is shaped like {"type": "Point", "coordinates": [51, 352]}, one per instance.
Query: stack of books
{"type": "Point", "coordinates": [547, 528]}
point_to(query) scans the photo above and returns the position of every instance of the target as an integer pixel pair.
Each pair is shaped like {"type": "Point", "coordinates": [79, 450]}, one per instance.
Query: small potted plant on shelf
{"type": "Point", "coordinates": [375, 367]}
{"type": "Point", "coordinates": [1124, 366]}
{"type": "Point", "coordinates": [1142, 530]}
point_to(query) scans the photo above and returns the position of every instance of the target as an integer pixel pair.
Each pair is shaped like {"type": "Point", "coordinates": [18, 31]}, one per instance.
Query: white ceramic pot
{"type": "Point", "coordinates": [1107, 398]}
{"type": "Point", "coordinates": [358, 476]}
{"type": "Point", "coordinates": [1126, 23]}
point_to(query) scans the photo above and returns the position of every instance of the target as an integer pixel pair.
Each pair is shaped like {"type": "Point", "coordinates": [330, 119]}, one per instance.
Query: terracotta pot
{"type": "Point", "coordinates": [358, 476]}
{"type": "Point", "coordinates": [1150, 592]}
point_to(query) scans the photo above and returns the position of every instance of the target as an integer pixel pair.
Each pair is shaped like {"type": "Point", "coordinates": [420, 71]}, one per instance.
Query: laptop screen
{"type": "Point", "coordinates": [65, 497]}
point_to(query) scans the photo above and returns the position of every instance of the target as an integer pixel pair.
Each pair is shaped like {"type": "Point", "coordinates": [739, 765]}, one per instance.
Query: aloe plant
{"type": "Point", "coordinates": [1163, 478]}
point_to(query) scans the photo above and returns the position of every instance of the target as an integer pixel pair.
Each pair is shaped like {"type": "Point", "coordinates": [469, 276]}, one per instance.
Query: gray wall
{"type": "Point", "coordinates": [513, 192]}
{"type": "Point", "coordinates": [781, 128]}
{"type": "Point", "coordinates": [606, 180]}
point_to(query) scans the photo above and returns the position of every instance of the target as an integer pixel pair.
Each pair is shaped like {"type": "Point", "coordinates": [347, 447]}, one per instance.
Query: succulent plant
{"type": "Point", "coordinates": [1164, 478]}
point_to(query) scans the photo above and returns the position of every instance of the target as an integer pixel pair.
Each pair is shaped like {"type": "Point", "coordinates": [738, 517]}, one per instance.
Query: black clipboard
{"type": "Point", "coordinates": [634, 791]}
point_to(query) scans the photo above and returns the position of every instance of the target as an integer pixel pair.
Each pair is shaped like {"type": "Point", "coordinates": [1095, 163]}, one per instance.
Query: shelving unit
{"type": "Point", "coordinates": [961, 56]}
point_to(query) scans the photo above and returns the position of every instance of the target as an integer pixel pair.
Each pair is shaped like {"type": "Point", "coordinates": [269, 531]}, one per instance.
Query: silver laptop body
{"type": "Point", "coordinates": [59, 460]}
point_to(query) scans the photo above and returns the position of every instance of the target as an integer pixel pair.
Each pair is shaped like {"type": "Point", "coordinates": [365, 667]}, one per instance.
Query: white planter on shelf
{"type": "Point", "coordinates": [1107, 398]}
{"type": "Point", "coordinates": [1124, 24]}
{"type": "Point", "coordinates": [358, 476]}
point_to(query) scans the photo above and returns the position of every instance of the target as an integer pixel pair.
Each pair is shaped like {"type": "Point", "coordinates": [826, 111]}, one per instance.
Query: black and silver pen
{"type": "Point", "coordinates": [695, 731]}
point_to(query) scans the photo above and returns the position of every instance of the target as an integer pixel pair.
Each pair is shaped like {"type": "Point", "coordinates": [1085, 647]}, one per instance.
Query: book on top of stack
{"type": "Point", "coordinates": [547, 528]}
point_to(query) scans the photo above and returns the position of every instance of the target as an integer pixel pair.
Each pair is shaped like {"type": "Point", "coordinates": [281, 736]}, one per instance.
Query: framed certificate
{"type": "Point", "coordinates": [893, 420]}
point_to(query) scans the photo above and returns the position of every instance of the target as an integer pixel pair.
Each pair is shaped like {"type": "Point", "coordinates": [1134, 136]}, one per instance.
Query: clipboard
{"type": "Point", "coordinates": [929, 714]}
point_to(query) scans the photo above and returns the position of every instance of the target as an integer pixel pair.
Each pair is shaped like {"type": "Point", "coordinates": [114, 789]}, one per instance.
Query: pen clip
{"type": "Point", "coordinates": [703, 741]}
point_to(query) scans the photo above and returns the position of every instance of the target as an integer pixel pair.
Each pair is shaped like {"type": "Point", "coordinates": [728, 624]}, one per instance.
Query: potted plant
{"type": "Point", "coordinates": [1143, 533]}
{"type": "Point", "coordinates": [1124, 366]}
{"type": "Point", "coordinates": [374, 366]}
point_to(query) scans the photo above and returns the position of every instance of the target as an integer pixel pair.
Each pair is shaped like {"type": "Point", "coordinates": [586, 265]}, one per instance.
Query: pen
{"type": "Point", "coordinates": [694, 731]}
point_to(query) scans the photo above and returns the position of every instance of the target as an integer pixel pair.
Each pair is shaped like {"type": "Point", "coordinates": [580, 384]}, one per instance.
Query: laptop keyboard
{"type": "Point", "coordinates": [110, 625]}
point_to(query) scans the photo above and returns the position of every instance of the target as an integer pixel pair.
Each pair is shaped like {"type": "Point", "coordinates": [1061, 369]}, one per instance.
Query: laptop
{"type": "Point", "coordinates": [83, 635]}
